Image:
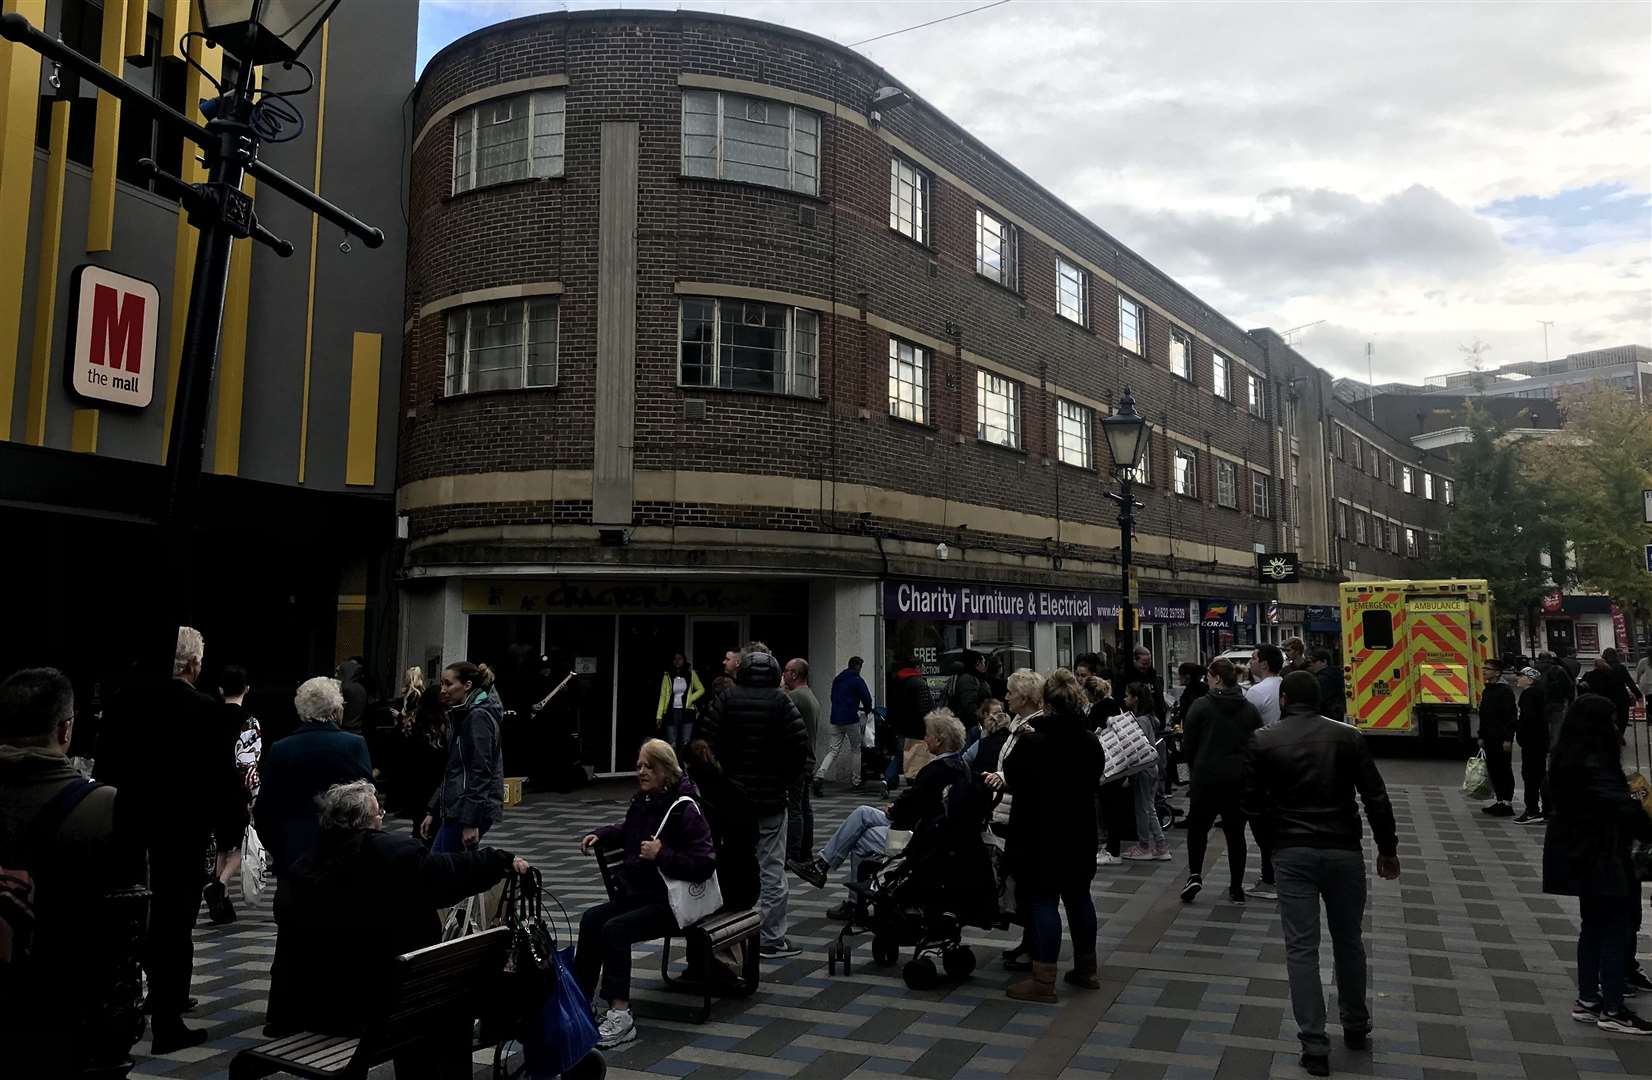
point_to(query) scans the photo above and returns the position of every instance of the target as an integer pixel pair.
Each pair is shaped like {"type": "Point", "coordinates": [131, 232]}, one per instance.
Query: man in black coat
{"type": "Point", "coordinates": [1218, 727]}
{"type": "Point", "coordinates": [755, 735]}
{"type": "Point", "coordinates": [1498, 713]}
{"type": "Point", "coordinates": [967, 689]}
{"type": "Point", "coordinates": [1332, 701]}
{"type": "Point", "coordinates": [1531, 731]}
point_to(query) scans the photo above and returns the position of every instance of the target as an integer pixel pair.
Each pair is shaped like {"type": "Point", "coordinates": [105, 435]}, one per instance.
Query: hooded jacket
{"type": "Point", "coordinates": [354, 689]}
{"type": "Point", "coordinates": [1218, 727]}
{"type": "Point", "coordinates": [686, 851]}
{"type": "Point", "coordinates": [757, 735]}
{"type": "Point", "coordinates": [473, 784]}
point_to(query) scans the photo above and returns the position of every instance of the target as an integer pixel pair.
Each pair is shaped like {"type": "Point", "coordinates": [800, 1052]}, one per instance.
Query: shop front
{"type": "Point", "coordinates": [617, 637]}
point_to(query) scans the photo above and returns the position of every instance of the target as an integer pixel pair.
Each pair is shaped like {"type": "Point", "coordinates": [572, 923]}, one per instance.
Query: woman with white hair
{"type": "Point", "coordinates": [298, 768]}
{"type": "Point", "coordinates": [353, 903]}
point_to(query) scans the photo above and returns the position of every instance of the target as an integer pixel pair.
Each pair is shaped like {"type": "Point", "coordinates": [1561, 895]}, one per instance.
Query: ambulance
{"type": "Point", "coordinates": [1414, 655]}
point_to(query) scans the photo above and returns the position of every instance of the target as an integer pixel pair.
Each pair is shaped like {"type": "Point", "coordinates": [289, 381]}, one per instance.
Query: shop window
{"type": "Point", "coordinates": [509, 138]}
{"type": "Point", "coordinates": [997, 410]}
{"type": "Point", "coordinates": [751, 140]}
{"type": "Point", "coordinates": [1064, 645]}
{"type": "Point", "coordinates": [745, 345]}
{"type": "Point", "coordinates": [502, 346]}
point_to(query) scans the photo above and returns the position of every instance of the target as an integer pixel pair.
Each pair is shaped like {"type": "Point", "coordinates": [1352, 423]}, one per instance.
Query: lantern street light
{"type": "Point", "coordinates": [264, 31]}
{"type": "Point", "coordinates": [1126, 431]}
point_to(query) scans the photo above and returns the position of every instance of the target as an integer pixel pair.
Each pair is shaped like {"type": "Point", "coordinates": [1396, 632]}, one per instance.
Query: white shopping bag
{"type": "Point", "coordinates": [256, 871]}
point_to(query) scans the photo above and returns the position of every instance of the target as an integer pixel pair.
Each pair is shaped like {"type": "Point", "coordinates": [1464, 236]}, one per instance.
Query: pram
{"type": "Point", "coordinates": [944, 880]}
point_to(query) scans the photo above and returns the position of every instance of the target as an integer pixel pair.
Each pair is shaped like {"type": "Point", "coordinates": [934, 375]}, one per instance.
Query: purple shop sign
{"type": "Point", "coordinates": [940, 601]}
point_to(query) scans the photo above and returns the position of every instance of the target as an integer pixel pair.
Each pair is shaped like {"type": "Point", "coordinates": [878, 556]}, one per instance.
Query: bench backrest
{"type": "Point", "coordinates": [440, 981]}
{"type": "Point", "coordinates": [609, 861]}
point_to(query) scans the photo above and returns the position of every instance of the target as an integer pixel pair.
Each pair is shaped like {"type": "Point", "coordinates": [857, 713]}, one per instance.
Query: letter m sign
{"type": "Point", "coordinates": [112, 338]}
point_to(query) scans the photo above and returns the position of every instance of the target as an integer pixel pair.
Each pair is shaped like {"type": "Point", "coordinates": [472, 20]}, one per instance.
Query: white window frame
{"type": "Point", "coordinates": [1260, 504]}
{"type": "Point", "coordinates": [467, 126]}
{"type": "Point", "coordinates": [1072, 292]}
{"type": "Point", "coordinates": [1342, 521]}
{"type": "Point", "coordinates": [990, 386]}
{"type": "Point", "coordinates": [915, 358]}
{"type": "Point", "coordinates": [1339, 443]}
{"type": "Point", "coordinates": [1138, 318]}
{"type": "Point", "coordinates": [801, 377]}
{"type": "Point", "coordinates": [1184, 472]}
{"type": "Point", "coordinates": [458, 364]}
{"type": "Point", "coordinates": [1408, 480]}
{"type": "Point", "coordinates": [1411, 551]}
{"type": "Point", "coordinates": [1074, 423]}
{"type": "Point", "coordinates": [1182, 337]}
{"type": "Point", "coordinates": [908, 199]}
{"type": "Point", "coordinates": [808, 183]}
{"type": "Point", "coordinates": [1448, 491]}
{"type": "Point", "coordinates": [1393, 538]}
{"type": "Point", "coordinates": [1428, 485]}
{"type": "Point", "coordinates": [1219, 377]}
{"type": "Point", "coordinates": [1358, 456]}
{"type": "Point", "coordinates": [1227, 484]}
{"type": "Point", "coordinates": [1009, 249]}
{"type": "Point", "coordinates": [1362, 528]}
{"type": "Point", "coordinates": [1256, 395]}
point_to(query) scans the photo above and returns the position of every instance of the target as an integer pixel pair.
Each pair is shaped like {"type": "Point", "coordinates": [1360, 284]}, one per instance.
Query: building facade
{"type": "Point", "coordinates": [297, 514]}
{"type": "Point", "coordinates": [716, 332]}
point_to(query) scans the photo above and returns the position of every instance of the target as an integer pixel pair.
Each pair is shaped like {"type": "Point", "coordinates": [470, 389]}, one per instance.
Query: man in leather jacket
{"type": "Point", "coordinates": [1300, 779]}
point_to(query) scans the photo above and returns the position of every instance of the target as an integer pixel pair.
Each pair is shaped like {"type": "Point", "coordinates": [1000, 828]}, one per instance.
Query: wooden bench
{"type": "Point", "coordinates": [441, 983]}
{"type": "Point", "coordinates": [725, 928]}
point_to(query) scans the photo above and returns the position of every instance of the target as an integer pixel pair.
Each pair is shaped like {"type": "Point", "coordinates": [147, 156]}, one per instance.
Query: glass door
{"type": "Point", "coordinates": [709, 637]}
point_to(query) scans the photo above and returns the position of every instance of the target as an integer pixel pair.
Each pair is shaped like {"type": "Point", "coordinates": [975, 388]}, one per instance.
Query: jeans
{"type": "Point", "coordinates": [678, 727]}
{"type": "Point", "coordinates": [864, 832]}
{"type": "Point", "coordinates": [606, 934]}
{"type": "Point", "coordinates": [1533, 771]}
{"type": "Point", "coordinates": [1149, 833]}
{"type": "Point", "coordinates": [800, 822]}
{"type": "Point", "coordinates": [1500, 766]}
{"type": "Point", "coordinates": [845, 742]}
{"type": "Point", "coordinates": [1604, 942]}
{"type": "Point", "coordinates": [897, 761]}
{"type": "Point", "coordinates": [1202, 811]}
{"type": "Point", "coordinates": [771, 869]}
{"type": "Point", "coordinates": [1306, 876]}
{"type": "Point", "coordinates": [1044, 922]}
{"type": "Point", "coordinates": [450, 838]}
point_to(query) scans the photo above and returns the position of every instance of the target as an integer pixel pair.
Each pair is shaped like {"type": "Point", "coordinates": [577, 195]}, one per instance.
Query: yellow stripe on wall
{"type": "Point", "coordinates": [45, 294]}
{"type": "Point", "coordinates": [100, 215]}
{"type": "Point", "coordinates": [19, 95]}
{"type": "Point", "coordinates": [315, 236]}
{"type": "Point", "coordinates": [83, 435]}
{"type": "Point", "coordinates": [137, 21]}
{"type": "Point", "coordinates": [183, 258]}
{"type": "Point", "coordinates": [362, 451]}
{"type": "Point", "coordinates": [174, 20]}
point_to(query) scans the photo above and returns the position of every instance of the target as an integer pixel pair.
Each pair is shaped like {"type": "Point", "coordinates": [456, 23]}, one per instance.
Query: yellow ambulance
{"type": "Point", "coordinates": [1414, 654]}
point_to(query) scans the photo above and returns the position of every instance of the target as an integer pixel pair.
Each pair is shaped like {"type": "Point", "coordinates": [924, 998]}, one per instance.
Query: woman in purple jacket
{"type": "Point", "coordinates": [681, 850]}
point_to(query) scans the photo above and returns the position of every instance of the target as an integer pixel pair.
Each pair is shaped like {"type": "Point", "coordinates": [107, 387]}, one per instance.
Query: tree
{"type": "Point", "coordinates": [1497, 528]}
{"type": "Point", "coordinates": [1592, 477]}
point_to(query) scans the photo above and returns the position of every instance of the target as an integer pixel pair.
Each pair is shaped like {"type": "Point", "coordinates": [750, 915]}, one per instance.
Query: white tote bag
{"type": "Point", "coordinates": [690, 901]}
{"type": "Point", "coordinates": [256, 872]}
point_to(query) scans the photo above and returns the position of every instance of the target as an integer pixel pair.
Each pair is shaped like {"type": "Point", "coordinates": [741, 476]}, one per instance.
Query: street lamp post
{"type": "Point", "coordinates": [1126, 431]}
{"type": "Point", "coordinates": [256, 32]}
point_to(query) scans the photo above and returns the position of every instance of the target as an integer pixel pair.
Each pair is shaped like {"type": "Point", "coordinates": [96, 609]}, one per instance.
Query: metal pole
{"type": "Point", "coordinates": [1127, 524]}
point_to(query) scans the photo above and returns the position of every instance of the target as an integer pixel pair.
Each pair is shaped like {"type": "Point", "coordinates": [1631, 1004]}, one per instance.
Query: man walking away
{"type": "Point", "coordinates": [1332, 701]}
{"type": "Point", "coordinates": [1498, 712]}
{"type": "Point", "coordinates": [851, 699]}
{"type": "Point", "coordinates": [800, 815]}
{"type": "Point", "coordinates": [352, 684]}
{"type": "Point", "coordinates": [756, 736]}
{"type": "Point", "coordinates": [1300, 778]}
{"type": "Point", "coordinates": [1219, 726]}
{"type": "Point", "coordinates": [1559, 688]}
{"type": "Point", "coordinates": [966, 690]}
{"type": "Point", "coordinates": [1265, 665]}
{"type": "Point", "coordinates": [66, 948]}
{"type": "Point", "coordinates": [1531, 731]}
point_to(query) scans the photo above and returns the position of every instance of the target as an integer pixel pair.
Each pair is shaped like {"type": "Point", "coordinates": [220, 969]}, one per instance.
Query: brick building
{"type": "Point", "coordinates": [714, 332]}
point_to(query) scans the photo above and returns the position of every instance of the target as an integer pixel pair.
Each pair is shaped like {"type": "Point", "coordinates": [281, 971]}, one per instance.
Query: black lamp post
{"type": "Point", "coordinates": [1126, 432]}
{"type": "Point", "coordinates": [256, 32]}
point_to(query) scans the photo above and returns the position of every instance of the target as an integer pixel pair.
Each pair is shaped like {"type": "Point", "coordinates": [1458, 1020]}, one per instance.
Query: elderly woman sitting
{"type": "Point", "coordinates": [659, 838]}
{"type": "Point", "coordinates": [347, 909]}
{"type": "Point", "coordinates": [866, 830]}
{"type": "Point", "coordinates": [295, 771]}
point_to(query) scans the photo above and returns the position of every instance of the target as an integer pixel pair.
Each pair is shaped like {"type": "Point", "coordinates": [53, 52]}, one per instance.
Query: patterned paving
{"type": "Point", "coordinates": [1471, 967]}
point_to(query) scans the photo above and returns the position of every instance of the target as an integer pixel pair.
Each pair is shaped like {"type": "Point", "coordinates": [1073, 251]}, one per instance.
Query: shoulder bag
{"type": "Point", "coordinates": [690, 901]}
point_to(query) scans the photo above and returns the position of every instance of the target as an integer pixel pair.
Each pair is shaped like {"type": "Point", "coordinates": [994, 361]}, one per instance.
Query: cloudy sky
{"type": "Point", "coordinates": [1418, 175]}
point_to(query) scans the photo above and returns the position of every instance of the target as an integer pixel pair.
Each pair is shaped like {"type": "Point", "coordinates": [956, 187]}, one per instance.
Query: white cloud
{"type": "Point", "coordinates": [1294, 162]}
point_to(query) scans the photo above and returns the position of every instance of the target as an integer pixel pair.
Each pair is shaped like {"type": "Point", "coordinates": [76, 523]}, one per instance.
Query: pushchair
{"type": "Point", "coordinates": [945, 879]}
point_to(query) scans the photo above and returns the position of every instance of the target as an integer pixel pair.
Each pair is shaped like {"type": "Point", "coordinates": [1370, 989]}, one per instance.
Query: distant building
{"type": "Point", "coordinates": [1628, 367]}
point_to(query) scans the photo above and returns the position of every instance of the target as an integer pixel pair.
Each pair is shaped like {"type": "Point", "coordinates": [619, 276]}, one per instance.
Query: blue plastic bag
{"type": "Point", "coordinates": [564, 1032]}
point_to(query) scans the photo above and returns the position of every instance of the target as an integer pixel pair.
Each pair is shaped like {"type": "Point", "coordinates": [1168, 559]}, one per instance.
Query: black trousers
{"type": "Point", "coordinates": [1203, 809]}
{"type": "Point", "coordinates": [1500, 765]}
{"type": "Point", "coordinates": [1534, 773]}
{"type": "Point", "coordinates": [606, 934]}
{"type": "Point", "coordinates": [1118, 814]}
{"type": "Point", "coordinates": [176, 874]}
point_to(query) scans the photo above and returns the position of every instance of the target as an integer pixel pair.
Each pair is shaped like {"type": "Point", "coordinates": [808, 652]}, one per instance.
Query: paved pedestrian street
{"type": "Point", "coordinates": [1470, 964]}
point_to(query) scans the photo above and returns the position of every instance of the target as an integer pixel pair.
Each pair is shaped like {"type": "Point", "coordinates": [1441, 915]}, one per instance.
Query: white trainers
{"type": "Point", "coordinates": [1107, 858]}
{"type": "Point", "coordinates": [616, 1028]}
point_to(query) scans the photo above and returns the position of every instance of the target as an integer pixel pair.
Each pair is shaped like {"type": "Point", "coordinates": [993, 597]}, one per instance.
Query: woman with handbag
{"type": "Point", "coordinates": [1150, 844]}
{"type": "Point", "coordinates": [666, 841]}
{"type": "Point", "coordinates": [1593, 822]}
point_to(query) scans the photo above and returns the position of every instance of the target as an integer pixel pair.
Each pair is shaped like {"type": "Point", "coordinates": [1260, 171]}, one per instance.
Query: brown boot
{"type": "Point", "coordinates": [1084, 973]}
{"type": "Point", "coordinates": [1039, 986]}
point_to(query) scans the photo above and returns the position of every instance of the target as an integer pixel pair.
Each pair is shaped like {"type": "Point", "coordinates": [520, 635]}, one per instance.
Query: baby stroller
{"type": "Point", "coordinates": [944, 880]}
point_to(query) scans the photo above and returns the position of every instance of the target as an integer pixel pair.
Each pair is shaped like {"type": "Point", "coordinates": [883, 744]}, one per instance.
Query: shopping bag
{"type": "Point", "coordinates": [561, 1031]}
{"type": "Point", "coordinates": [690, 901]}
{"type": "Point", "coordinates": [1125, 749]}
{"type": "Point", "coordinates": [256, 869]}
{"type": "Point", "coordinates": [1476, 779]}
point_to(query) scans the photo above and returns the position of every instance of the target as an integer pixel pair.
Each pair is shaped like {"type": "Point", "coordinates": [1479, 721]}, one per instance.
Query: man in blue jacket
{"type": "Point", "coordinates": [851, 700]}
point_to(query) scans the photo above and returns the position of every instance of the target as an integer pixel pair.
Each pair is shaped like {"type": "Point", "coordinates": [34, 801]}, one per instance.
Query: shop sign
{"type": "Point", "coordinates": [1216, 614]}
{"type": "Point", "coordinates": [1279, 568]}
{"type": "Point", "coordinates": [1551, 603]}
{"type": "Point", "coordinates": [112, 333]}
{"type": "Point", "coordinates": [1620, 630]}
{"type": "Point", "coordinates": [1323, 618]}
{"type": "Point", "coordinates": [939, 601]}
{"type": "Point", "coordinates": [531, 597]}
